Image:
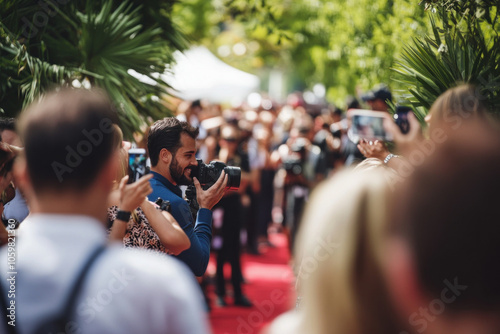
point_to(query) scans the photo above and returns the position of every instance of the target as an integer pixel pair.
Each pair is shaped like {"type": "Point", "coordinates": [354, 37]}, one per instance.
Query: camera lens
{"type": "Point", "coordinates": [233, 177]}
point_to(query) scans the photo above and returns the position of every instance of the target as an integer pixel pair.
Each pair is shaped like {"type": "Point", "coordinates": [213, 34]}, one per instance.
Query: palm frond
{"type": "Point", "coordinates": [431, 65]}
{"type": "Point", "coordinates": [97, 40]}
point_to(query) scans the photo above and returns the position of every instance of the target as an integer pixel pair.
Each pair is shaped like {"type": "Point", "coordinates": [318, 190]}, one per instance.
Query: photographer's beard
{"type": "Point", "coordinates": [178, 173]}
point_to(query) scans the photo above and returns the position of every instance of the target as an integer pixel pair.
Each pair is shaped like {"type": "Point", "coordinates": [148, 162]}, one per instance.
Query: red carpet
{"type": "Point", "coordinates": [269, 286]}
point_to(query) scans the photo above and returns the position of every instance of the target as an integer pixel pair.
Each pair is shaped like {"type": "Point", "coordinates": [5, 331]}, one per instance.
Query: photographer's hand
{"type": "Point", "coordinates": [208, 198]}
{"type": "Point", "coordinates": [132, 195]}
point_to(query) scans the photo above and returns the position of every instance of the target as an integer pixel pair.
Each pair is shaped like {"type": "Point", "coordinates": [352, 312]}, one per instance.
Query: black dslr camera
{"type": "Point", "coordinates": [208, 174]}
{"type": "Point", "coordinates": [294, 164]}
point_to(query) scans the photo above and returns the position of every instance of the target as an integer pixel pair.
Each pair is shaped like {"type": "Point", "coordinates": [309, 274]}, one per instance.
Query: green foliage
{"type": "Point", "coordinates": [346, 45]}
{"type": "Point", "coordinates": [81, 41]}
{"type": "Point", "coordinates": [464, 48]}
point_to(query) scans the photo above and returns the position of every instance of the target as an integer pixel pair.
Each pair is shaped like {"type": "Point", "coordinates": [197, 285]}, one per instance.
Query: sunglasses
{"type": "Point", "coordinates": [230, 140]}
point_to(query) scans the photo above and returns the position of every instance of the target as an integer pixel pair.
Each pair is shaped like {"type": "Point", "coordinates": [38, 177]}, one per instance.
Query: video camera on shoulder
{"type": "Point", "coordinates": [208, 174]}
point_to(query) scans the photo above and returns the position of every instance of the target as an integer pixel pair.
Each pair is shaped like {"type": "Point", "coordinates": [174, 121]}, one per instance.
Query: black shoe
{"type": "Point", "coordinates": [220, 302]}
{"type": "Point", "coordinates": [242, 301]}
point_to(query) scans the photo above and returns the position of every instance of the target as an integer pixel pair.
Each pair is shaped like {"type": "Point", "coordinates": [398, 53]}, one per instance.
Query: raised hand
{"type": "Point", "coordinates": [405, 142]}
{"type": "Point", "coordinates": [373, 149]}
{"type": "Point", "coordinates": [208, 198]}
{"type": "Point", "coordinates": [132, 195]}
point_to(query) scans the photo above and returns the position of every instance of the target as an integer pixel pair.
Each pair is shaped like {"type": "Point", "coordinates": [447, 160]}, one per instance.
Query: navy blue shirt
{"type": "Point", "coordinates": [197, 256]}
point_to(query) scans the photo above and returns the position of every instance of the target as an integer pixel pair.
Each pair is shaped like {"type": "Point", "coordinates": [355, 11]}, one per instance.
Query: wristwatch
{"type": "Point", "coordinates": [123, 215]}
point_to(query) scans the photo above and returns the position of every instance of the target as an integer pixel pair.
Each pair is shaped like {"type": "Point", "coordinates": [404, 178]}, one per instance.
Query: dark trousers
{"type": "Point", "coordinates": [265, 201]}
{"type": "Point", "coordinates": [250, 219]}
{"type": "Point", "coordinates": [231, 245]}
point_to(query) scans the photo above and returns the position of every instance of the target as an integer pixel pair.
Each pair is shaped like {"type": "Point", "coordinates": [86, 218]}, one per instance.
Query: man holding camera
{"type": "Point", "coordinates": [70, 280]}
{"type": "Point", "coordinates": [172, 149]}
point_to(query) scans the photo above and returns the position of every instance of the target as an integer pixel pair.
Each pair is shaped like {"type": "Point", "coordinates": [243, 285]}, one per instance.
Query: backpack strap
{"type": "Point", "coordinates": [4, 305]}
{"type": "Point", "coordinates": [58, 322]}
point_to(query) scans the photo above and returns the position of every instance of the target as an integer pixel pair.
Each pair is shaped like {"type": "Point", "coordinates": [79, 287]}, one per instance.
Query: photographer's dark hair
{"type": "Point", "coordinates": [166, 133]}
{"type": "Point", "coordinates": [68, 138]}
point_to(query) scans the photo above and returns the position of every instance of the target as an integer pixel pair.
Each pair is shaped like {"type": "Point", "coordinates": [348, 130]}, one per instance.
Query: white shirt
{"type": "Point", "coordinates": [126, 291]}
{"type": "Point", "coordinates": [17, 208]}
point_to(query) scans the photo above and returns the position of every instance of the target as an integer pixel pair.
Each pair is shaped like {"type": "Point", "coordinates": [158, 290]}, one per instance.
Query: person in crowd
{"type": "Point", "coordinates": [442, 248]}
{"type": "Point", "coordinates": [327, 142]}
{"type": "Point", "coordinates": [265, 197]}
{"type": "Point", "coordinates": [352, 103]}
{"type": "Point", "coordinates": [147, 227]}
{"type": "Point", "coordinates": [338, 253]}
{"type": "Point", "coordinates": [301, 160]}
{"type": "Point", "coordinates": [249, 145]}
{"type": "Point", "coordinates": [190, 112]}
{"type": "Point", "coordinates": [8, 131]}
{"type": "Point", "coordinates": [378, 97]}
{"type": "Point", "coordinates": [454, 107]}
{"type": "Point", "coordinates": [377, 100]}
{"type": "Point", "coordinates": [69, 278]}
{"type": "Point", "coordinates": [249, 196]}
{"type": "Point", "coordinates": [172, 149]}
{"type": "Point", "coordinates": [17, 208]}
{"type": "Point", "coordinates": [7, 155]}
{"type": "Point", "coordinates": [230, 207]}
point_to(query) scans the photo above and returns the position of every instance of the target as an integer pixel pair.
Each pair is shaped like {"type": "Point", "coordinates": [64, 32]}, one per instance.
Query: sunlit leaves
{"type": "Point", "coordinates": [460, 49]}
{"type": "Point", "coordinates": [342, 44]}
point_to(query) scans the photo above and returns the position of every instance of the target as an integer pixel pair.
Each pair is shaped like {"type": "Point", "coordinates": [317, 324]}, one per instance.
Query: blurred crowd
{"type": "Point", "coordinates": [386, 236]}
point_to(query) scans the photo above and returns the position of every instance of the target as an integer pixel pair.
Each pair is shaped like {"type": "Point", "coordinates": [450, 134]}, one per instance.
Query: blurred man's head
{"type": "Point", "coordinates": [172, 149]}
{"type": "Point", "coordinates": [68, 140]}
{"type": "Point", "coordinates": [8, 131]}
{"type": "Point", "coordinates": [445, 245]}
{"type": "Point", "coordinates": [196, 107]}
{"type": "Point", "coordinates": [377, 98]}
{"type": "Point", "coordinates": [303, 126]}
{"type": "Point", "coordinates": [229, 138]}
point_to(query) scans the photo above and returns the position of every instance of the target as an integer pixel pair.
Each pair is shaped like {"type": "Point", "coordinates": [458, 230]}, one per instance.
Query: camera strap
{"type": "Point", "coordinates": [57, 323]}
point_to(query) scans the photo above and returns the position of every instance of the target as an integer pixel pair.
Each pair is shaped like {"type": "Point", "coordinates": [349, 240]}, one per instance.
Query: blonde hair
{"type": "Point", "coordinates": [461, 101]}
{"type": "Point", "coordinates": [339, 250]}
{"type": "Point", "coordinates": [369, 164]}
{"type": "Point", "coordinates": [117, 142]}
{"type": "Point", "coordinates": [123, 163]}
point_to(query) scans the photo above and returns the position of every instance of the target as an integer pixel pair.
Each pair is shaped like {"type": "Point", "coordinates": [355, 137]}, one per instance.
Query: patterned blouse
{"type": "Point", "coordinates": [139, 234]}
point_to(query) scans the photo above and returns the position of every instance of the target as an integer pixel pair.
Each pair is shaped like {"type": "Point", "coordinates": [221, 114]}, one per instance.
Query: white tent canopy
{"type": "Point", "coordinates": [198, 74]}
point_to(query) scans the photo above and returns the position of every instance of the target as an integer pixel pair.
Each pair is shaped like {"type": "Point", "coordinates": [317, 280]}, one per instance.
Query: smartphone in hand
{"type": "Point", "coordinates": [368, 124]}
{"type": "Point", "coordinates": [401, 118]}
{"type": "Point", "coordinates": [136, 164]}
